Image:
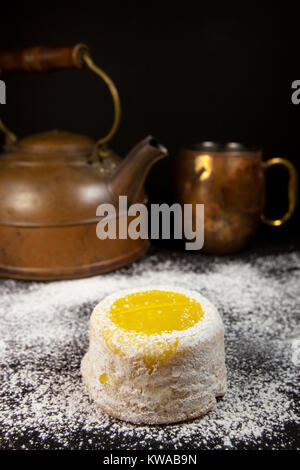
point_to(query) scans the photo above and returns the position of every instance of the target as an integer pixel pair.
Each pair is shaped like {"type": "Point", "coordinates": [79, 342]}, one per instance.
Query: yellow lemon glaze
{"type": "Point", "coordinates": [148, 313]}
{"type": "Point", "coordinates": [155, 311]}
{"type": "Point", "coordinates": [103, 378]}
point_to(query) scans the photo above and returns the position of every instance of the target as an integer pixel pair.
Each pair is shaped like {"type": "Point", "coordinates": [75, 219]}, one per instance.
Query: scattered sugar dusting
{"type": "Point", "coordinates": [44, 334]}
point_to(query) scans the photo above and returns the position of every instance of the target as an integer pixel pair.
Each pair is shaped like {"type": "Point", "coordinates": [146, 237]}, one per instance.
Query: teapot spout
{"type": "Point", "coordinates": [130, 175]}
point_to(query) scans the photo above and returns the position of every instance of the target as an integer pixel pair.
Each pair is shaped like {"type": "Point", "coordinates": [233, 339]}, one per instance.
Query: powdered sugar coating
{"type": "Point", "coordinates": [136, 343]}
{"type": "Point", "coordinates": [140, 385]}
{"type": "Point", "coordinates": [44, 334]}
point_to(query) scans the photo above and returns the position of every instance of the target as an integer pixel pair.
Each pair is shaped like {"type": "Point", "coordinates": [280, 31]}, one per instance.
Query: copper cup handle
{"type": "Point", "coordinates": [292, 190]}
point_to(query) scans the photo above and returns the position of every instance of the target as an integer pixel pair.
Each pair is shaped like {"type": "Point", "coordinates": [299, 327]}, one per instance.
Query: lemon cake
{"type": "Point", "coordinates": [156, 355]}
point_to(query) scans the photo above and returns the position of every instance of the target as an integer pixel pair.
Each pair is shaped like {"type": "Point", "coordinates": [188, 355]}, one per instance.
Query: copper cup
{"type": "Point", "coordinates": [230, 181]}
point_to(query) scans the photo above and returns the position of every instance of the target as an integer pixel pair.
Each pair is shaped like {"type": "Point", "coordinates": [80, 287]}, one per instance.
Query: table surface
{"type": "Point", "coordinates": [44, 334]}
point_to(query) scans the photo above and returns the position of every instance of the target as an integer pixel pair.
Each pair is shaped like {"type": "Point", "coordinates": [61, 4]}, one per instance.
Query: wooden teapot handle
{"type": "Point", "coordinates": [43, 58]}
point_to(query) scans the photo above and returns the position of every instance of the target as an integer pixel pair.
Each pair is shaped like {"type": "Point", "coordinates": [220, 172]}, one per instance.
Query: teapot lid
{"type": "Point", "coordinates": [56, 142]}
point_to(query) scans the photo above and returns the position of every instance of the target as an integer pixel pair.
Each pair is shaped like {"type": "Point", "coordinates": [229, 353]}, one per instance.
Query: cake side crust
{"type": "Point", "coordinates": [182, 386]}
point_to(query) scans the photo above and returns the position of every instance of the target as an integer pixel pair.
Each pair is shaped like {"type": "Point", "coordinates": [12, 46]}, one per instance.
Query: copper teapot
{"type": "Point", "coordinates": [52, 183]}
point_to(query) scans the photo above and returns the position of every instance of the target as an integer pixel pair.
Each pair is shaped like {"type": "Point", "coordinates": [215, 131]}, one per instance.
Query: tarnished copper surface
{"type": "Point", "coordinates": [49, 192]}
{"type": "Point", "coordinates": [52, 183]}
{"type": "Point", "coordinates": [230, 184]}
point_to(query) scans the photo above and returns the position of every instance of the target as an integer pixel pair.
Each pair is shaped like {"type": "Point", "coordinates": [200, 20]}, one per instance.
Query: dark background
{"type": "Point", "coordinates": [185, 72]}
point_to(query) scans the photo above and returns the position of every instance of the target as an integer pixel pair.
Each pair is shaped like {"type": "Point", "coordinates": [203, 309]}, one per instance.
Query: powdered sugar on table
{"type": "Point", "coordinates": [44, 334]}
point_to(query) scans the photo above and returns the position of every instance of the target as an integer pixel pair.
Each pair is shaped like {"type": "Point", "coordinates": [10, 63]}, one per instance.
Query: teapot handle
{"type": "Point", "coordinates": [44, 59]}
{"type": "Point", "coordinates": [10, 137]}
